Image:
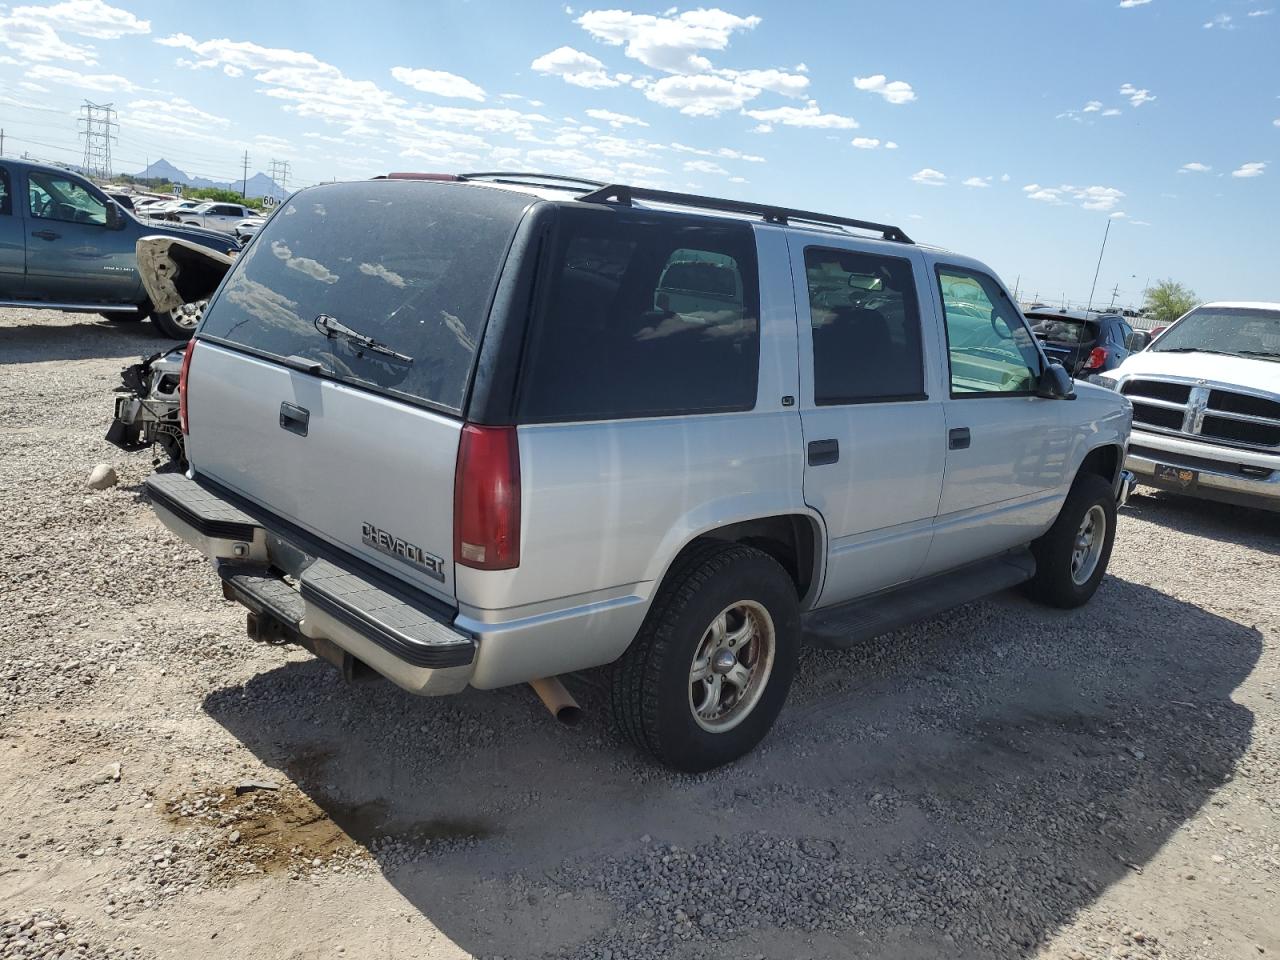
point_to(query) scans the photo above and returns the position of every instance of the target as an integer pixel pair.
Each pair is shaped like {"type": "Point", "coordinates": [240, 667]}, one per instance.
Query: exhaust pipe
{"type": "Point", "coordinates": [558, 700]}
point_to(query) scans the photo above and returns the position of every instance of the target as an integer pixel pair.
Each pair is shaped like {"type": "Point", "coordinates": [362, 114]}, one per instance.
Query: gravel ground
{"type": "Point", "coordinates": [1004, 781]}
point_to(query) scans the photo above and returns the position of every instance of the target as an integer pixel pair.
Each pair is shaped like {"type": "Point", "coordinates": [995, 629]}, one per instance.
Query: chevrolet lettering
{"type": "Point", "coordinates": [402, 550]}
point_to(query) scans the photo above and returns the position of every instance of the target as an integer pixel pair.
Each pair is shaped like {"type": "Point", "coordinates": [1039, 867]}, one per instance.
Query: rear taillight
{"type": "Point", "coordinates": [182, 386]}
{"type": "Point", "coordinates": [486, 499]}
{"type": "Point", "coordinates": [1097, 359]}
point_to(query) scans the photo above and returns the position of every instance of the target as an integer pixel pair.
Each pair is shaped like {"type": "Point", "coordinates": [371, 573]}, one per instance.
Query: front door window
{"type": "Point", "coordinates": [54, 197]}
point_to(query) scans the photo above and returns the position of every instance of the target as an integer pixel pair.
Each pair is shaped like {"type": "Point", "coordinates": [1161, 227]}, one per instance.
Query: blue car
{"type": "Point", "coordinates": [66, 245]}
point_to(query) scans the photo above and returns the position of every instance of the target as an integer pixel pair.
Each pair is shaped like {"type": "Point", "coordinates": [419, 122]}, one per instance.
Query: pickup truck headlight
{"type": "Point", "coordinates": [1109, 382]}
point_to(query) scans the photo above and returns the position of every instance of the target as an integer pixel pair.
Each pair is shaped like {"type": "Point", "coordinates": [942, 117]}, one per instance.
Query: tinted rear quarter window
{"type": "Point", "coordinates": [411, 264]}
{"type": "Point", "coordinates": [643, 314]}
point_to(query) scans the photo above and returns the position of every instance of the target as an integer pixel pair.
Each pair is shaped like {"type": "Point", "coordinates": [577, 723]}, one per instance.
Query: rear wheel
{"type": "Point", "coordinates": [706, 676]}
{"type": "Point", "coordinates": [179, 324]}
{"type": "Point", "coordinates": [1072, 557]}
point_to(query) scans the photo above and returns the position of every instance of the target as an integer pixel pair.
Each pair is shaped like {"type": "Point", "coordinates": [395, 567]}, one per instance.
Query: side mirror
{"type": "Point", "coordinates": [1138, 340]}
{"type": "Point", "coordinates": [1055, 383]}
{"type": "Point", "coordinates": [116, 219]}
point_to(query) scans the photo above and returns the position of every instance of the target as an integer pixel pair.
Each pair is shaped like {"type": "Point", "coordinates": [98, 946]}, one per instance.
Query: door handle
{"type": "Point", "coordinates": [295, 419]}
{"type": "Point", "coordinates": [958, 438]}
{"type": "Point", "coordinates": [45, 234]}
{"type": "Point", "coordinates": [823, 452]}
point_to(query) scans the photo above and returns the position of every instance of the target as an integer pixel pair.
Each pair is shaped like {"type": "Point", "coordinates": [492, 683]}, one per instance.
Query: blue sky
{"type": "Point", "coordinates": [1006, 129]}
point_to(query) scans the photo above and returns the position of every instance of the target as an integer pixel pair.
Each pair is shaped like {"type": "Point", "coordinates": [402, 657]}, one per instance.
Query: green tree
{"type": "Point", "coordinates": [1168, 300]}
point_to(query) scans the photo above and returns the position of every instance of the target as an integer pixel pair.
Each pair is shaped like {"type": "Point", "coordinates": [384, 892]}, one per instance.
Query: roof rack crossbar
{"type": "Point", "coordinates": [623, 194]}
{"type": "Point", "coordinates": [534, 179]}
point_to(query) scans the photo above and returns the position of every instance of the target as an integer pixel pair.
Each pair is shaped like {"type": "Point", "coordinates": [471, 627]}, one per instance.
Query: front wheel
{"type": "Point", "coordinates": [707, 674]}
{"type": "Point", "coordinates": [1072, 557]}
{"type": "Point", "coordinates": [179, 324]}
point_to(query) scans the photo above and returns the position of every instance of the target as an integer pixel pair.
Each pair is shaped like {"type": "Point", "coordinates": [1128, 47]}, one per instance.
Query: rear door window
{"type": "Point", "coordinates": [866, 327]}
{"type": "Point", "coordinates": [410, 264]}
{"type": "Point", "coordinates": [645, 315]}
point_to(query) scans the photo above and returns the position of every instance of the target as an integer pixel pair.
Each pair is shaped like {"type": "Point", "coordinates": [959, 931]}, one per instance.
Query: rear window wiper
{"type": "Point", "coordinates": [333, 328]}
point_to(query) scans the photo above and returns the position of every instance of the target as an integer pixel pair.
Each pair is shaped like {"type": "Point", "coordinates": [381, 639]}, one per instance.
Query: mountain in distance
{"type": "Point", "coordinates": [259, 185]}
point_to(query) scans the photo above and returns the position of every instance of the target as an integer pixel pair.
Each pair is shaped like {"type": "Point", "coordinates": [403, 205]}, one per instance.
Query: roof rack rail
{"type": "Point", "coordinates": [521, 178]}
{"type": "Point", "coordinates": [622, 194]}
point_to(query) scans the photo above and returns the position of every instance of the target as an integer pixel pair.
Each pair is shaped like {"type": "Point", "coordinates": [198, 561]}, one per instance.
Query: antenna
{"type": "Point", "coordinates": [97, 125]}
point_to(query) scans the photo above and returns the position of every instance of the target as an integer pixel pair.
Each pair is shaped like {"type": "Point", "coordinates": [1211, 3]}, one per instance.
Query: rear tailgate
{"type": "Point", "coordinates": [355, 442]}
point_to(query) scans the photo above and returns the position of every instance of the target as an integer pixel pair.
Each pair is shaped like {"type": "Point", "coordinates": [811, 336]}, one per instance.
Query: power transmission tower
{"type": "Point", "coordinates": [280, 175]}
{"type": "Point", "coordinates": [97, 126]}
{"type": "Point", "coordinates": [244, 182]}
{"type": "Point", "coordinates": [1114, 293]}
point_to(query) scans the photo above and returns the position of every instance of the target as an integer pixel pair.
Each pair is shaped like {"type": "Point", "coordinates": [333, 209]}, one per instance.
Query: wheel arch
{"type": "Point", "coordinates": [796, 539]}
{"type": "Point", "coordinates": [1105, 460]}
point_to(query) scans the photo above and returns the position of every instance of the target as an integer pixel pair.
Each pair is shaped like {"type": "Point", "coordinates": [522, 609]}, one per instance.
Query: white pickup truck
{"type": "Point", "coordinates": [223, 217]}
{"type": "Point", "coordinates": [1206, 405]}
{"type": "Point", "coordinates": [484, 430]}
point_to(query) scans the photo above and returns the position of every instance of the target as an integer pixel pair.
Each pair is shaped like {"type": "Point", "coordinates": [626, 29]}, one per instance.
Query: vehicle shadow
{"type": "Point", "coordinates": [1245, 526]}
{"type": "Point", "coordinates": [961, 788]}
{"type": "Point", "coordinates": [76, 337]}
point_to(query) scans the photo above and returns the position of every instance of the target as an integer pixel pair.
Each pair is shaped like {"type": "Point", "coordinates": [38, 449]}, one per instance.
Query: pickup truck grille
{"type": "Point", "coordinates": [1213, 414]}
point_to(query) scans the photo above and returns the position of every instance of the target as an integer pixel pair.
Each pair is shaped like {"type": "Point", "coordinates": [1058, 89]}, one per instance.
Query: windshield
{"type": "Point", "coordinates": [1063, 329]}
{"type": "Point", "coordinates": [1240, 331]}
{"type": "Point", "coordinates": [385, 284]}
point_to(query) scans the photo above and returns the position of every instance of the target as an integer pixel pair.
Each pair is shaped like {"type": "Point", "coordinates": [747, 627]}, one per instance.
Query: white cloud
{"type": "Point", "coordinates": [35, 33]}
{"type": "Point", "coordinates": [1090, 198]}
{"type": "Point", "coordinates": [726, 152]}
{"type": "Point", "coordinates": [1195, 167]}
{"type": "Point", "coordinates": [1262, 13]}
{"type": "Point", "coordinates": [1254, 169]}
{"type": "Point", "coordinates": [930, 177]}
{"type": "Point", "coordinates": [704, 166]}
{"type": "Point", "coordinates": [1133, 3]}
{"type": "Point", "coordinates": [175, 118]}
{"type": "Point", "coordinates": [1093, 106]}
{"type": "Point", "coordinates": [890, 145]}
{"type": "Point", "coordinates": [672, 43]}
{"type": "Point", "coordinates": [438, 83]}
{"type": "Point", "coordinates": [776, 81]}
{"type": "Point", "coordinates": [615, 119]}
{"type": "Point", "coordinates": [977, 182]}
{"type": "Point", "coordinates": [1119, 215]}
{"type": "Point", "coordinates": [99, 82]}
{"type": "Point", "coordinates": [807, 116]}
{"type": "Point", "coordinates": [1222, 21]}
{"type": "Point", "coordinates": [704, 95]}
{"type": "Point", "coordinates": [1136, 97]}
{"type": "Point", "coordinates": [1111, 112]}
{"type": "Point", "coordinates": [575, 67]}
{"type": "Point", "coordinates": [894, 91]}
{"type": "Point", "coordinates": [1005, 178]}
{"type": "Point", "coordinates": [865, 143]}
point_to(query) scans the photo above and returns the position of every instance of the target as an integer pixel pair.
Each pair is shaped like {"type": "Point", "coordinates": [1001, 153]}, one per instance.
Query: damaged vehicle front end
{"type": "Point", "coordinates": [180, 277]}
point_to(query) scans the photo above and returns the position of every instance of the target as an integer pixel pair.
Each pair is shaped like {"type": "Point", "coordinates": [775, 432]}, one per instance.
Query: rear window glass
{"type": "Point", "coordinates": [410, 265]}
{"type": "Point", "coordinates": [645, 315]}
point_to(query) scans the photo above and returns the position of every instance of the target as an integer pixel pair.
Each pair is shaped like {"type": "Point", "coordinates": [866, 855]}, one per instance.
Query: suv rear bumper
{"type": "Point", "coordinates": [1225, 474]}
{"type": "Point", "coordinates": [315, 596]}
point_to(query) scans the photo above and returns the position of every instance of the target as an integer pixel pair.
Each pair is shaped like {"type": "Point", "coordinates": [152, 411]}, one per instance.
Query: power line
{"type": "Point", "coordinates": [97, 123]}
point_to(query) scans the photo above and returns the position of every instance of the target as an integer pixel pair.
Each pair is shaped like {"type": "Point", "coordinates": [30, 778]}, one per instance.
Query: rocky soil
{"type": "Point", "coordinates": [1005, 781]}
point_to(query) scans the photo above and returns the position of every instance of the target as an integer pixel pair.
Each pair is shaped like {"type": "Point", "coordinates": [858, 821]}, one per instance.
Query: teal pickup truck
{"type": "Point", "coordinates": [66, 245]}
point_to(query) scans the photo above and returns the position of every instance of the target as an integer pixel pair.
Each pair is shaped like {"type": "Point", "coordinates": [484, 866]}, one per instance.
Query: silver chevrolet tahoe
{"type": "Point", "coordinates": [488, 429]}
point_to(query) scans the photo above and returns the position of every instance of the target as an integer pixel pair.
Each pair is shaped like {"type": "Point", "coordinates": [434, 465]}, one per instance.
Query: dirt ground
{"type": "Point", "coordinates": [1003, 781]}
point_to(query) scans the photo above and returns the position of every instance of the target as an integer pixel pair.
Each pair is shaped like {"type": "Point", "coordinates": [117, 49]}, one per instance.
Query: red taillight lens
{"type": "Point", "coordinates": [182, 385]}
{"type": "Point", "coordinates": [1097, 359]}
{"type": "Point", "coordinates": [486, 499]}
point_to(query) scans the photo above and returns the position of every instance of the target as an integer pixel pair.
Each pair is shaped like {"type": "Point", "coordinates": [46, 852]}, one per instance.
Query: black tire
{"type": "Point", "coordinates": [1054, 583]}
{"type": "Point", "coordinates": [651, 697]}
{"type": "Point", "coordinates": [120, 316]}
{"type": "Point", "coordinates": [173, 327]}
